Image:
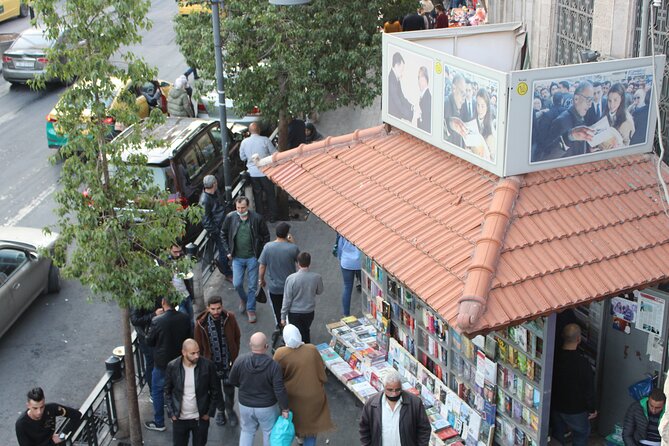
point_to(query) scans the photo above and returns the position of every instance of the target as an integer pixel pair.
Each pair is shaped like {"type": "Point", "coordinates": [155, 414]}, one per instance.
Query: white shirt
{"type": "Point", "coordinates": [188, 401]}
{"type": "Point", "coordinates": [390, 423]}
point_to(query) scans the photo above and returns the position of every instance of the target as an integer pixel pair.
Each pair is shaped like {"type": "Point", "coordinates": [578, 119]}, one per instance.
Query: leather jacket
{"type": "Point", "coordinates": [207, 387]}
{"type": "Point", "coordinates": [214, 212]}
{"type": "Point", "coordinates": [166, 334]}
{"type": "Point", "coordinates": [259, 232]}
{"type": "Point", "coordinates": [415, 427]}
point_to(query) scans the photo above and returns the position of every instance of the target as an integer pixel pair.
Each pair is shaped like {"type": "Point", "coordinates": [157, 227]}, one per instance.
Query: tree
{"type": "Point", "coordinates": [114, 222]}
{"type": "Point", "coordinates": [291, 60]}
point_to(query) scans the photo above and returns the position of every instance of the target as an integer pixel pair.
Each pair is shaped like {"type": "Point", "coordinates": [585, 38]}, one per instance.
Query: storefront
{"type": "Point", "coordinates": [471, 252]}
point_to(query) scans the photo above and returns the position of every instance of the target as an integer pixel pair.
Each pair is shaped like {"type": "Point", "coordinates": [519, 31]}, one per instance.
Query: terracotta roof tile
{"type": "Point", "coordinates": [572, 234]}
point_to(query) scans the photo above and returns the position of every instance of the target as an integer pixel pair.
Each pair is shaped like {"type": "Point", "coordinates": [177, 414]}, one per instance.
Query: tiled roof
{"type": "Point", "coordinates": [484, 251]}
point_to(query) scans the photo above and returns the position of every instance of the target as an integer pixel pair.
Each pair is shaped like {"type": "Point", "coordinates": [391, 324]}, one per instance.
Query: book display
{"type": "Point", "coordinates": [501, 377]}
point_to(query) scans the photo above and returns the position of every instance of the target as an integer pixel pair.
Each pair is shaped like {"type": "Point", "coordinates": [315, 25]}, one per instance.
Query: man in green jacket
{"type": "Point", "coordinates": [642, 420]}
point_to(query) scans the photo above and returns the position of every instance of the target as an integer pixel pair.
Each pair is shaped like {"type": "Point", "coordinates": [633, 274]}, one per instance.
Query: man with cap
{"type": "Point", "coordinates": [214, 213]}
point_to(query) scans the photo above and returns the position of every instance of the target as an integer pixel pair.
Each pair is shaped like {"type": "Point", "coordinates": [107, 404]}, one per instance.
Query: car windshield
{"type": "Point", "coordinates": [28, 41]}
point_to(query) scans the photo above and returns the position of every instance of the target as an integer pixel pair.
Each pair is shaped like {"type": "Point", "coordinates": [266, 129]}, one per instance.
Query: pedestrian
{"type": "Point", "coordinates": [218, 335]}
{"type": "Point", "coordinates": [299, 296]}
{"type": "Point", "coordinates": [394, 417]}
{"type": "Point", "coordinates": [178, 101]}
{"type": "Point", "coordinates": [311, 134]}
{"type": "Point", "coordinates": [642, 420]}
{"type": "Point", "coordinates": [141, 319]}
{"type": "Point", "coordinates": [262, 395]}
{"type": "Point", "coordinates": [304, 378]}
{"type": "Point", "coordinates": [573, 401]}
{"type": "Point", "coordinates": [256, 144]}
{"type": "Point", "coordinates": [37, 425]}
{"type": "Point", "coordinates": [244, 234]}
{"type": "Point", "coordinates": [349, 262]}
{"type": "Point", "coordinates": [180, 285]}
{"type": "Point", "coordinates": [191, 393]}
{"type": "Point", "coordinates": [442, 18]}
{"type": "Point", "coordinates": [277, 262]}
{"type": "Point", "coordinates": [166, 335]}
{"type": "Point", "coordinates": [212, 219]}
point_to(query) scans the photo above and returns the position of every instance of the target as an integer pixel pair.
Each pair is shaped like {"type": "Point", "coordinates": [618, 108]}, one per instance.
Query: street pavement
{"type": "Point", "coordinates": [315, 237]}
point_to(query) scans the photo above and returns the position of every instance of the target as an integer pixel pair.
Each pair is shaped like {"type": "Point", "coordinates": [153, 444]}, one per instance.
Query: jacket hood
{"type": "Point", "coordinates": [176, 93]}
{"type": "Point", "coordinates": [257, 363]}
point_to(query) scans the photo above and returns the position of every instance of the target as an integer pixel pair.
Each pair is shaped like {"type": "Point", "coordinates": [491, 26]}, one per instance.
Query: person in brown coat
{"type": "Point", "coordinates": [304, 377]}
{"type": "Point", "coordinates": [217, 334]}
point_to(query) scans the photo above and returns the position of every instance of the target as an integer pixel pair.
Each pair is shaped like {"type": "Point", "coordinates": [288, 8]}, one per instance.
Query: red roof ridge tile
{"type": "Point", "coordinates": [321, 146]}
{"type": "Point", "coordinates": [486, 254]}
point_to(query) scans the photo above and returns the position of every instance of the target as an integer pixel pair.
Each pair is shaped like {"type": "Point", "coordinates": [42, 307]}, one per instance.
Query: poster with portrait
{"type": "Point", "coordinates": [470, 112]}
{"type": "Point", "coordinates": [581, 115]}
{"type": "Point", "coordinates": [409, 88]}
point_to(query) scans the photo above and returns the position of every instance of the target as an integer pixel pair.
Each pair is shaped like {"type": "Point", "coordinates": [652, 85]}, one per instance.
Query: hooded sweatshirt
{"type": "Point", "coordinates": [178, 103]}
{"type": "Point", "coordinates": [260, 381]}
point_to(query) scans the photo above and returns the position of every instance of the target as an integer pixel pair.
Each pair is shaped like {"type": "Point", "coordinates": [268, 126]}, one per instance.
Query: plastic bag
{"type": "Point", "coordinates": [641, 389]}
{"type": "Point", "coordinates": [283, 431]}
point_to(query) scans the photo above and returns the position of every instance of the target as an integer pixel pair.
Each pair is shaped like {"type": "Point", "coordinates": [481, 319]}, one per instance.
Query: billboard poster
{"type": "Point", "coordinates": [581, 115]}
{"type": "Point", "coordinates": [409, 88]}
{"type": "Point", "coordinates": [470, 112]}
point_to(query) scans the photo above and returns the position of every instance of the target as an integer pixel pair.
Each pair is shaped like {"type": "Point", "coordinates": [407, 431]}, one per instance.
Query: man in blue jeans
{"type": "Point", "coordinates": [244, 234]}
{"type": "Point", "coordinates": [262, 394]}
{"type": "Point", "coordinates": [573, 400]}
{"type": "Point", "coordinates": [166, 335]}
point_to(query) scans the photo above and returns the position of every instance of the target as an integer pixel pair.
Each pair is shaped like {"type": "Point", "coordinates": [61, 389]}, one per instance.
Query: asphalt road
{"type": "Point", "coordinates": [62, 340]}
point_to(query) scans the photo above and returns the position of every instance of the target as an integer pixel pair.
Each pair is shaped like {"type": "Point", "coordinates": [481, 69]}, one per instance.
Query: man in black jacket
{"type": "Point", "coordinates": [642, 420]}
{"type": "Point", "coordinates": [214, 213]}
{"type": "Point", "coordinates": [573, 391]}
{"type": "Point", "coordinates": [37, 425]}
{"type": "Point", "coordinates": [141, 318]}
{"type": "Point", "coordinates": [261, 390]}
{"type": "Point", "coordinates": [166, 334]}
{"type": "Point", "coordinates": [394, 417]}
{"type": "Point", "coordinates": [244, 234]}
{"type": "Point", "coordinates": [191, 393]}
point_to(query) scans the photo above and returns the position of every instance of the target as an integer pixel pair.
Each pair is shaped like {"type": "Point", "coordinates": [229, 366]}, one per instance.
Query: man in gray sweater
{"type": "Point", "coordinates": [261, 390]}
{"type": "Point", "coordinates": [299, 296]}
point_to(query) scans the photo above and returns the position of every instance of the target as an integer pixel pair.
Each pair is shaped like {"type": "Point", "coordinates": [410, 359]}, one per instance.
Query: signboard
{"type": "Point", "coordinates": [581, 113]}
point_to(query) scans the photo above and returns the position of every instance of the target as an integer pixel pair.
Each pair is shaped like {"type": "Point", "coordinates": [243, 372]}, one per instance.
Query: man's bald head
{"type": "Point", "coordinates": [190, 350]}
{"type": "Point", "coordinates": [571, 334]}
{"type": "Point", "coordinates": [258, 342]}
{"type": "Point", "coordinates": [189, 344]}
{"type": "Point", "coordinates": [254, 128]}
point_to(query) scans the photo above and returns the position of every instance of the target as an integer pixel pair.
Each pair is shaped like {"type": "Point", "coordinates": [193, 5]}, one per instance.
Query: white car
{"type": "Point", "coordinates": [25, 274]}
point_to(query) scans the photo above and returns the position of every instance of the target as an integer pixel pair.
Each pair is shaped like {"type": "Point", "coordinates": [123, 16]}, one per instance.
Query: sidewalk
{"type": "Point", "coordinates": [316, 238]}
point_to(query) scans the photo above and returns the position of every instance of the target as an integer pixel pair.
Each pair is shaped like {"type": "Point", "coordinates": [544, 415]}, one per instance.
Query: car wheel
{"type": "Point", "coordinates": [24, 10]}
{"type": "Point", "coordinates": [54, 279]}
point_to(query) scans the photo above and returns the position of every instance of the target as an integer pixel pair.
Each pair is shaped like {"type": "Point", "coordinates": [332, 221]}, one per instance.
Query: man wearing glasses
{"type": "Point", "coordinates": [394, 417]}
{"type": "Point", "coordinates": [569, 135]}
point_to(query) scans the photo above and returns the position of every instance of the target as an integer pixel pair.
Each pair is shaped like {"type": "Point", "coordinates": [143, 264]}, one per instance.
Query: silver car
{"type": "Point", "coordinates": [25, 274]}
{"type": "Point", "coordinates": [26, 58]}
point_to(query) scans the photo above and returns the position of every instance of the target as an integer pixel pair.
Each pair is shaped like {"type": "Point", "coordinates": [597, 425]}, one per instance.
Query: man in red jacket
{"type": "Point", "coordinates": [217, 334]}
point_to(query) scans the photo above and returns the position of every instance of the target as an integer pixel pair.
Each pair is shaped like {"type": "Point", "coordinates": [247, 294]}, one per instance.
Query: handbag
{"type": "Point", "coordinates": [283, 431]}
{"type": "Point", "coordinates": [261, 296]}
{"type": "Point", "coordinates": [335, 247]}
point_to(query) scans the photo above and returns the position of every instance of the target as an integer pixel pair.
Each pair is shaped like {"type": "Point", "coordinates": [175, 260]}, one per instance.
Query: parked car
{"type": "Point", "coordinates": [26, 58]}
{"type": "Point", "coordinates": [56, 139]}
{"type": "Point", "coordinates": [25, 274]}
{"type": "Point", "coordinates": [192, 149]}
{"type": "Point", "coordinates": [13, 8]}
{"type": "Point", "coordinates": [190, 6]}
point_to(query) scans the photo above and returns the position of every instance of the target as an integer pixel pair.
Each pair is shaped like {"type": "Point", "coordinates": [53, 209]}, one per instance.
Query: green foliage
{"type": "Point", "coordinates": [317, 56]}
{"type": "Point", "coordinates": [114, 221]}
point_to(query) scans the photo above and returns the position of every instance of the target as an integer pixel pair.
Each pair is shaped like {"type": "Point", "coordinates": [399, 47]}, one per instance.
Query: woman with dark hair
{"type": "Point", "coordinates": [619, 118]}
{"type": "Point", "coordinates": [485, 125]}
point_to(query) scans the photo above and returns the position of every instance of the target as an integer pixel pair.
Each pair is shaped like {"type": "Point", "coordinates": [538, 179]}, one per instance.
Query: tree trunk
{"type": "Point", "coordinates": [131, 383]}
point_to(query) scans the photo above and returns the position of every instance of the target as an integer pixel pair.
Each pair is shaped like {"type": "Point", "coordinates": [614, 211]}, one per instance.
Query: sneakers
{"type": "Point", "coordinates": [242, 307]}
{"type": "Point", "coordinates": [220, 418]}
{"type": "Point", "coordinates": [252, 317]}
{"type": "Point", "coordinates": [152, 426]}
{"type": "Point", "coordinates": [232, 417]}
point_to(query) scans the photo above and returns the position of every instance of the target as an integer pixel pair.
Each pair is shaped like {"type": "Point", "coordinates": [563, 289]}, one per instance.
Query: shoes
{"type": "Point", "coordinates": [232, 417]}
{"type": "Point", "coordinates": [242, 307]}
{"type": "Point", "coordinates": [152, 426]}
{"type": "Point", "coordinates": [220, 418]}
{"type": "Point", "coordinates": [252, 317]}
{"type": "Point", "coordinates": [358, 287]}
